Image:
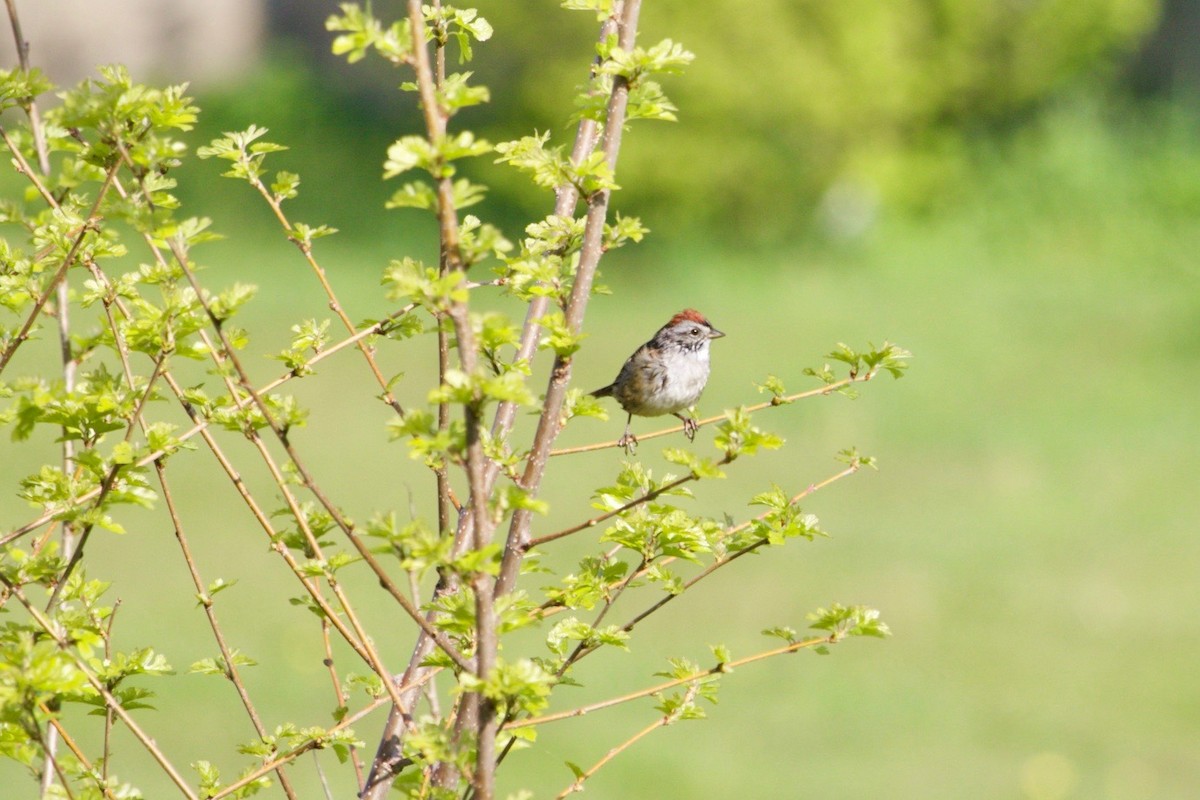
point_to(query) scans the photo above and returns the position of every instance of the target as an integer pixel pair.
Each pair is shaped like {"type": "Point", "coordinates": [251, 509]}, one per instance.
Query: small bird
{"type": "Point", "coordinates": [665, 375]}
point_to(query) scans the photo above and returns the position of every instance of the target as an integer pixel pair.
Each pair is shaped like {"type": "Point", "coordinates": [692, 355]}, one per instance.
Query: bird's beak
{"type": "Point", "coordinates": [713, 333]}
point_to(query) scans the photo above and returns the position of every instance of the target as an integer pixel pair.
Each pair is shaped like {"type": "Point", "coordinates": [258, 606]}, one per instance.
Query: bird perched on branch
{"type": "Point", "coordinates": [665, 375]}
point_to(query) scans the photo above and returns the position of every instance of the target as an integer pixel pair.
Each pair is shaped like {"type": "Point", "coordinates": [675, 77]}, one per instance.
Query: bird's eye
{"type": "Point", "coordinates": [696, 331]}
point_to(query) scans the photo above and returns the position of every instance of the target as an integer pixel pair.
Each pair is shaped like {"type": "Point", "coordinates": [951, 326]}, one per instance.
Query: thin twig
{"type": "Point", "coordinates": [793, 500]}
{"type": "Point", "coordinates": [477, 710]}
{"type": "Point", "coordinates": [634, 503]}
{"type": "Point", "coordinates": [235, 478]}
{"type": "Point", "coordinates": [68, 259]}
{"type": "Point", "coordinates": [232, 672]}
{"type": "Point", "coordinates": [334, 304]}
{"type": "Point", "coordinates": [340, 694]}
{"type": "Point", "coordinates": [389, 758]}
{"type": "Point", "coordinates": [106, 485]}
{"type": "Point", "coordinates": [290, 500]}
{"type": "Point", "coordinates": [88, 769]}
{"type": "Point", "coordinates": [35, 121]}
{"type": "Point", "coordinates": [549, 423]}
{"type": "Point", "coordinates": [199, 425]}
{"type": "Point", "coordinates": [566, 197]}
{"type": "Point", "coordinates": [64, 332]}
{"type": "Point", "coordinates": [244, 379]}
{"type": "Point", "coordinates": [24, 168]}
{"type": "Point", "coordinates": [778, 401]}
{"type": "Point", "coordinates": [617, 587]}
{"type": "Point", "coordinates": [52, 631]}
{"type": "Point", "coordinates": [664, 721]}
{"type": "Point", "coordinates": [296, 752]}
{"type": "Point", "coordinates": [717, 669]}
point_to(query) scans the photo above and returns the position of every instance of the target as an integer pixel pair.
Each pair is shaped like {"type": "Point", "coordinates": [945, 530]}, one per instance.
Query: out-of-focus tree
{"type": "Point", "coordinates": [841, 106]}
{"type": "Point", "coordinates": [839, 109]}
{"type": "Point", "coordinates": [1170, 61]}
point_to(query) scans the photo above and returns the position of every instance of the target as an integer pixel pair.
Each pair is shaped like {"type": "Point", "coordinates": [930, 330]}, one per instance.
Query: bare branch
{"type": "Point", "coordinates": [232, 672]}
{"type": "Point", "coordinates": [666, 719]}
{"type": "Point", "coordinates": [61, 731]}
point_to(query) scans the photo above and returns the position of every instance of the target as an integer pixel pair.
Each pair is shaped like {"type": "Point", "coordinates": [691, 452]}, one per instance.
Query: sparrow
{"type": "Point", "coordinates": [665, 375]}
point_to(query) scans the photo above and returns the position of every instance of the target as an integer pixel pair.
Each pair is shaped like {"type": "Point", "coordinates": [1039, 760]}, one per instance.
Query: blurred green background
{"type": "Point", "coordinates": [1009, 190]}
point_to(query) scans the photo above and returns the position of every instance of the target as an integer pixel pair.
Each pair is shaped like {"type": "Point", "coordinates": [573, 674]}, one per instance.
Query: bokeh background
{"type": "Point", "coordinates": [1011, 190]}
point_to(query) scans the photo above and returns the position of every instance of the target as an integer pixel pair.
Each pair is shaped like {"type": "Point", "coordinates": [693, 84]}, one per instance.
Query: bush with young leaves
{"type": "Point", "coordinates": [98, 170]}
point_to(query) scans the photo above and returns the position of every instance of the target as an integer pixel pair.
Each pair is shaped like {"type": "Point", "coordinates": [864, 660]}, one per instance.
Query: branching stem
{"type": "Point", "coordinates": [666, 719]}
{"type": "Point", "coordinates": [53, 632]}
{"type": "Point", "coordinates": [662, 687]}
{"type": "Point", "coordinates": [829, 388]}
{"type": "Point", "coordinates": [549, 423]}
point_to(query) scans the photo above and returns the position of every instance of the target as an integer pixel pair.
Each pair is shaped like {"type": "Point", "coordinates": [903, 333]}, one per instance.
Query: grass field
{"type": "Point", "coordinates": [1031, 536]}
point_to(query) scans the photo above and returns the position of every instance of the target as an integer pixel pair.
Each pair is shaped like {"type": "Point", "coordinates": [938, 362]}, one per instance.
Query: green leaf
{"type": "Point", "coordinates": [737, 435]}
{"type": "Point", "coordinates": [218, 665]}
{"type": "Point", "coordinates": [602, 8]}
{"type": "Point", "coordinates": [557, 336]}
{"type": "Point", "coordinates": [856, 460]}
{"type": "Point", "coordinates": [580, 404]}
{"type": "Point", "coordinates": [286, 186]}
{"type": "Point", "coordinates": [219, 585]}
{"type": "Point", "coordinates": [775, 386]}
{"type": "Point", "coordinates": [455, 93]}
{"type": "Point", "coordinates": [573, 630]}
{"type": "Point", "coordinates": [478, 240]}
{"type": "Point", "coordinates": [623, 229]}
{"type": "Point", "coordinates": [462, 145]}
{"type": "Point", "coordinates": [782, 632]}
{"type": "Point", "coordinates": [412, 281]}
{"type": "Point", "coordinates": [360, 32]}
{"type": "Point", "coordinates": [841, 621]}
{"type": "Point", "coordinates": [244, 149]}
{"type": "Point", "coordinates": [18, 88]}
{"type": "Point", "coordinates": [414, 195]}
{"type": "Point", "coordinates": [666, 57]}
{"type": "Point", "coordinates": [122, 454]}
{"type": "Point", "coordinates": [508, 387]}
{"type": "Point", "coordinates": [304, 234]}
{"type": "Point", "coordinates": [409, 152]}
{"type": "Point", "coordinates": [697, 465]}
{"type": "Point", "coordinates": [590, 585]}
{"type": "Point", "coordinates": [866, 365]}
{"type": "Point", "coordinates": [548, 167]}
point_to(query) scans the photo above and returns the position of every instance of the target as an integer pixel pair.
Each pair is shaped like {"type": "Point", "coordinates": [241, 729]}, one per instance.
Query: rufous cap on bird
{"type": "Point", "coordinates": [692, 315]}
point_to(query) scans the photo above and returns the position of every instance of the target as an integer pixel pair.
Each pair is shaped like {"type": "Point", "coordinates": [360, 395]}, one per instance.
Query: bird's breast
{"type": "Point", "coordinates": [666, 385]}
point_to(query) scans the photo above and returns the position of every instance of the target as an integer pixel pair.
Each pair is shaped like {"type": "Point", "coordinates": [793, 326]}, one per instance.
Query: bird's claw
{"type": "Point", "coordinates": [629, 442]}
{"type": "Point", "coordinates": [690, 427]}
